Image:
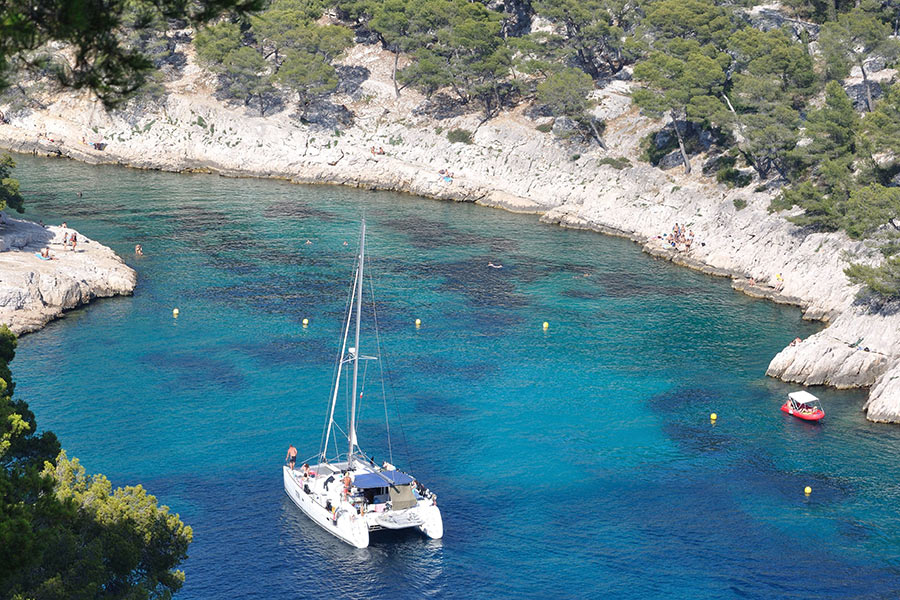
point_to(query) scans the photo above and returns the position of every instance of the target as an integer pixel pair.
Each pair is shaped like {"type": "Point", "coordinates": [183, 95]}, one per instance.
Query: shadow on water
{"type": "Point", "coordinates": [428, 234]}
{"type": "Point", "coordinates": [483, 286]}
{"type": "Point", "coordinates": [295, 209]}
{"type": "Point", "coordinates": [285, 351]}
{"type": "Point", "coordinates": [192, 369]}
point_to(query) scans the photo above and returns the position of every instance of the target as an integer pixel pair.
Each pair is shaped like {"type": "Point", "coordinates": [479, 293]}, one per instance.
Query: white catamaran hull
{"type": "Point", "coordinates": [433, 525]}
{"type": "Point", "coordinates": [353, 528]}
{"type": "Point", "coordinates": [348, 527]}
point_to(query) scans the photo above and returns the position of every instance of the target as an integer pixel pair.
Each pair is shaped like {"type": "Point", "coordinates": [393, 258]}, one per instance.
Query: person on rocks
{"type": "Point", "coordinates": [44, 254]}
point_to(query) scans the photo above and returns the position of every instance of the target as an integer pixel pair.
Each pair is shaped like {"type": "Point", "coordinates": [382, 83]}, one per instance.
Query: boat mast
{"type": "Point", "coordinates": [359, 284]}
{"type": "Point", "coordinates": [337, 381]}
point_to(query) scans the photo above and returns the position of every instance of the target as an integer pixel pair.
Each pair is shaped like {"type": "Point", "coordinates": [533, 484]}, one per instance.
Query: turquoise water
{"type": "Point", "coordinates": [577, 462]}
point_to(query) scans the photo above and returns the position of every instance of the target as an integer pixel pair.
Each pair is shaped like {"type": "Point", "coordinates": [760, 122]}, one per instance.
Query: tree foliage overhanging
{"type": "Point", "coordinates": [98, 35]}
{"type": "Point", "coordinates": [65, 534]}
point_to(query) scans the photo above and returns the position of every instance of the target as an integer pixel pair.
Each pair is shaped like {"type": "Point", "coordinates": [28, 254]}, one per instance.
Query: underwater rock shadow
{"type": "Point", "coordinates": [296, 209]}
{"type": "Point", "coordinates": [482, 285]}
{"type": "Point", "coordinates": [427, 234]}
{"type": "Point", "coordinates": [287, 351]}
{"type": "Point", "coordinates": [191, 369]}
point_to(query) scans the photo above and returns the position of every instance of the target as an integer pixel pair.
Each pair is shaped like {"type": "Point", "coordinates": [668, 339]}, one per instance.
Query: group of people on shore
{"type": "Point", "coordinates": [70, 242]}
{"type": "Point", "coordinates": [679, 236]}
{"type": "Point", "coordinates": [69, 238]}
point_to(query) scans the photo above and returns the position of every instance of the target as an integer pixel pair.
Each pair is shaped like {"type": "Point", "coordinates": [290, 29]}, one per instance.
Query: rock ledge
{"type": "Point", "coordinates": [34, 291]}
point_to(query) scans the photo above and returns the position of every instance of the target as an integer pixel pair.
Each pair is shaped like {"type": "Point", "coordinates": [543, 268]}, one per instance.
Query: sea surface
{"type": "Point", "coordinates": [576, 462]}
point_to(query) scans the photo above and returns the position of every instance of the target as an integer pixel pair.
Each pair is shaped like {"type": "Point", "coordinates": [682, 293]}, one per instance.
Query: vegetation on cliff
{"type": "Point", "coordinates": [763, 90]}
{"type": "Point", "coordinates": [65, 534]}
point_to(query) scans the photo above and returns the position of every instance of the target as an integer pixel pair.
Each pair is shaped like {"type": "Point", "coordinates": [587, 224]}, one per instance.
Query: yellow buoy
{"type": "Point", "coordinates": [418, 322]}
{"type": "Point", "coordinates": [546, 325]}
{"type": "Point", "coordinates": [175, 312]}
{"type": "Point", "coordinates": [807, 490]}
{"type": "Point", "coordinates": [305, 322]}
{"type": "Point", "coordinates": [713, 417]}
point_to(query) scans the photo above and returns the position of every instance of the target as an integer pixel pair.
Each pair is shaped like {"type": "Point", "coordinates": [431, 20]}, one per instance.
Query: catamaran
{"type": "Point", "coordinates": [347, 494]}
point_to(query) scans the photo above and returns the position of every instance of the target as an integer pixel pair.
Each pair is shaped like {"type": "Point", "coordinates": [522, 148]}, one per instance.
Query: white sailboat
{"type": "Point", "coordinates": [348, 495]}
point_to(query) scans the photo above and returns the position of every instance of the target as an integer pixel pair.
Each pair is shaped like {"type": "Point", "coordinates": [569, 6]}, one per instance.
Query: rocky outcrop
{"type": "Point", "coordinates": [34, 291]}
{"type": "Point", "coordinates": [393, 145]}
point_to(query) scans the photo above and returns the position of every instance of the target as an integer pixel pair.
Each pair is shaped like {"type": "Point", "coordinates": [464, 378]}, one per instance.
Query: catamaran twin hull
{"type": "Point", "coordinates": [325, 504]}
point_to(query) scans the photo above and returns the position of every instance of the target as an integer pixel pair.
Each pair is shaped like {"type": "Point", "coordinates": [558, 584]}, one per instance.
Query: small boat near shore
{"type": "Point", "coordinates": [803, 405]}
{"type": "Point", "coordinates": [347, 494]}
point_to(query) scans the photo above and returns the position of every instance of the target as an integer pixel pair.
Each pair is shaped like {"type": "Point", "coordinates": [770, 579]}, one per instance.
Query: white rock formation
{"type": "Point", "coordinates": [513, 166]}
{"type": "Point", "coordinates": [34, 291]}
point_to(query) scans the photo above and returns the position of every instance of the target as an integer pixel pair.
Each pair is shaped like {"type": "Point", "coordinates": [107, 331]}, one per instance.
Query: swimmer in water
{"type": "Point", "coordinates": [308, 242]}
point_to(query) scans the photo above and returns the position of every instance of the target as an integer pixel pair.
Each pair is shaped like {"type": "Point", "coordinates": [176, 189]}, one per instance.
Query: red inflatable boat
{"type": "Point", "coordinates": [803, 405]}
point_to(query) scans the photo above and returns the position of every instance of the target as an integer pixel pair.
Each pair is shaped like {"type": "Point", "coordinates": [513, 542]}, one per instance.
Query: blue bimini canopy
{"type": "Point", "coordinates": [373, 480]}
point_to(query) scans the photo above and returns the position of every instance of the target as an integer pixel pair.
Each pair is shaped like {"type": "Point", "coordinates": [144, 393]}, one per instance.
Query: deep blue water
{"type": "Point", "coordinates": [573, 463]}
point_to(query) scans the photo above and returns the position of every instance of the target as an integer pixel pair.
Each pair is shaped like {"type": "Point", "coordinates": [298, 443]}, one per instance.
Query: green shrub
{"type": "Point", "coordinates": [463, 136]}
{"type": "Point", "coordinates": [651, 153]}
{"type": "Point", "coordinates": [739, 203]}
{"type": "Point", "coordinates": [732, 177]}
{"type": "Point", "coordinates": [616, 162]}
{"type": "Point", "coordinates": [545, 127]}
{"type": "Point", "coordinates": [882, 281]}
{"type": "Point", "coordinates": [574, 157]}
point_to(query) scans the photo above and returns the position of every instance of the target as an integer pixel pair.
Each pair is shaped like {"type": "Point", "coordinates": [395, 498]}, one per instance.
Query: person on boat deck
{"type": "Point", "coordinates": [291, 456]}
{"type": "Point", "coordinates": [304, 470]}
{"type": "Point", "coordinates": [388, 466]}
{"type": "Point", "coordinates": [347, 481]}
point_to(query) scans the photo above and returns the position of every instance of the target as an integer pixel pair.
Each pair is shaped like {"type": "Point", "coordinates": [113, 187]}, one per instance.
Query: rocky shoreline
{"type": "Point", "coordinates": [34, 291]}
{"type": "Point", "coordinates": [512, 165]}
